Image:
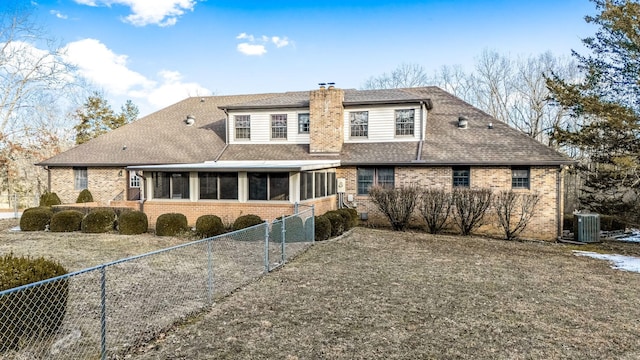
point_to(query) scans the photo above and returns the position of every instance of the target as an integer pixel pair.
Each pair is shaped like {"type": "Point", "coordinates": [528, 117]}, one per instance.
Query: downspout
{"type": "Point", "coordinates": [559, 212]}
{"type": "Point", "coordinates": [142, 187]}
{"type": "Point", "coordinates": [422, 130]}
{"type": "Point", "coordinates": [48, 178]}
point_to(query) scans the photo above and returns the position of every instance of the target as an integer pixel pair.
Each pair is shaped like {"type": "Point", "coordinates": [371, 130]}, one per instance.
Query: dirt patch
{"type": "Point", "coordinates": [382, 294]}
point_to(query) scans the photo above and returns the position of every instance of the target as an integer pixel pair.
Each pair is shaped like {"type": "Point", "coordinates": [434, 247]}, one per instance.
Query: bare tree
{"type": "Point", "coordinates": [515, 211]}
{"type": "Point", "coordinates": [404, 76]}
{"type": "Point", "coordinates": [34, 84]}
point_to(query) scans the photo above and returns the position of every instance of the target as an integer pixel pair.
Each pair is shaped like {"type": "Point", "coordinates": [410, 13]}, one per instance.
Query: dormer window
{"type": "Point", "coordinates": [359, 121]}
{"type": "Point", "coordinates": [279, 126]}
{"type": "Point", "coordinates": [405, 120]}
{"type": "Point", "coordinates": [243, 126]}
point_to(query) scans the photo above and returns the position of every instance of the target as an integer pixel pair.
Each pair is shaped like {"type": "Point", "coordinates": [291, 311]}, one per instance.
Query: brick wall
{"type": "Point", "coordinates": [229, 211]}
{"type": "Point", "coordinates": [326, 120]}
{"type": "Point", "coordinates": [542, 181]}
{"type": "Point", "coordinates": [105, 183]}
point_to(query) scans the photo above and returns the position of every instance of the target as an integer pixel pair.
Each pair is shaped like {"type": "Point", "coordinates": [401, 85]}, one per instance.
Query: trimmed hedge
{"type": "Point", "coordinates": [36, 219]}
{"type": "Point", "coordinates": [208, 226]}
{"type": "Point", "coordinates": [171, 224]}
{"type": "Point", "coordinates": [246, 221]}
{"type": "Point", "coordinates": [99, 221]}
{"type": "Point", "coordinates": [84, 197]}
{"type": "Point", "coordinates": [294, 227]}
{"type": "Point", "coordinates": [49, 199]}
{"type": "Point", "coordinates": [322, 227]}
{"type": "Point", "coordinates": [35, 313]}
{"type": "Point", "coordinates": [133, 223]}
{"type": "Point", "coordinates": [337, 221]}
{"type": "Point", "coordinates": [66, 221]}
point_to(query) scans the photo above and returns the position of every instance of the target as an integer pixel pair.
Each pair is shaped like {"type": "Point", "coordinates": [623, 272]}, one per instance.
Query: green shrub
{"type": "Point", "coordinates": [355, 218]}
{"type": "Point", "coordinates": [66, 221]}
{"type": "Point", "coordinates": [294, 227]}
{"type": "Point", "coordinates": [171, 224]}
{"type": "Point", "coordinates": [349, 220]}
{"type": "Point", "coordinates": [133, 223]}
{"type": "Point", "coordinates": [49, 199]}
{"type": "Point", "coordinates": [246, 221]}
{"type": "Point", "coordinates": [35, 313]}
{"type": "Point", "coordinates": [99, 221]}
{"type": "Point", "coordinates": [35, 219]}
{"type": "Point", "coordinates": [84, 197]}
{"type": "Point", "coordinates": [322, 227]}
{"type": "Point", "coordinates": [337, 222]}
{"type": "Point", "coordinates": [208, 226]}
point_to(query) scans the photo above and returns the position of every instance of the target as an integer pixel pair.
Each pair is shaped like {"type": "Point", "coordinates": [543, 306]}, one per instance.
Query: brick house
{"type": "Point", "coordinates": [263, 153]}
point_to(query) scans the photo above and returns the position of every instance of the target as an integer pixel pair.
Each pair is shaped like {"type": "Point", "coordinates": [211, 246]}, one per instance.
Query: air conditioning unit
{"type": "Point", "coordinates": [342, 185]}
{"type": "Point", "coordinates": [586, 228]}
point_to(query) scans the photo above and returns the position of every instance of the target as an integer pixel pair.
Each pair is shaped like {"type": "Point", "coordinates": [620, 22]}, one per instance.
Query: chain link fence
{"type": "Point", "coordinates": [115, 307]}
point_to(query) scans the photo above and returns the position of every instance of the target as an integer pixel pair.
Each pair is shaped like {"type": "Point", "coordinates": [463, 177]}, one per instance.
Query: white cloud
{"type": "Point", "coordinates": [147, 12]}
{"type": "Point", "coordinates": [252, 49]}
{"type": "Point", "coordinates": [58, 14]}
{"type": "Point", "coordinates": [110, 72]}
{"type": "Point", "coordinates": [258, 45]}
{"type": "Point", "coordinates": [280, 42]}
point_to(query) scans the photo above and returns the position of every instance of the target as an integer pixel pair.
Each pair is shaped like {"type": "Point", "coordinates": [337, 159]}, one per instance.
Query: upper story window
{"type": "Point", "coordinates": [405, 120]}
{"type": "Point", "coordinates": [303, 123]}
{"type": "Point", "coordinates": [243, 126]}
{"type": "Point", "coordinates": [368, 177]}
{"type": "Point", "coordinates": [80, 179]}
{"type": "Point", "coordinates": [520, 177]}
{"type": "Point", "coordinates": [218, 185]}
{"type": "Point", "coordinates": [359, 123]}
{"type": "Point", "coordinates": [461, 176]}
{"type": "Point", "coordinates": [279, 126]}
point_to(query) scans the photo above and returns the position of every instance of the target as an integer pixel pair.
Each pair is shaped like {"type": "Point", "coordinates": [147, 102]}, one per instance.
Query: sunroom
{"type": "Point", "coordinates": [239, 181]}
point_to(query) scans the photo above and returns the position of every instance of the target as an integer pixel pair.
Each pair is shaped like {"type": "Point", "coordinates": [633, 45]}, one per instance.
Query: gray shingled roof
{"type": "Point", "coordinates": [163, 137]}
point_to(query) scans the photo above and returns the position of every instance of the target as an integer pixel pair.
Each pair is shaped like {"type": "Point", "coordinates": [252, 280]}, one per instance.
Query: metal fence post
{"type": "Point", "coordinates": [210, 273]}
{"type": "Point", "coordinates": [103, 312]}
{"type": "Point", "coordinates": [282, 245]}
{"type": "Point", "coordinates": [313, 223]}
{"type": "Point", "coordinates": [266, 247]}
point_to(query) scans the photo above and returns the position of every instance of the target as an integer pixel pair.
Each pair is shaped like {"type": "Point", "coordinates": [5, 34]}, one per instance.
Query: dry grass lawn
{"type": "Point", "coordinates": [381, 294]}
{"type": "Point", "coordinates": [388, 295]}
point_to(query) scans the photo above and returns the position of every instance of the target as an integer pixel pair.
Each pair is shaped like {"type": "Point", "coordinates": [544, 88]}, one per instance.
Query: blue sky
{"type": "Point", "coordinates": [156, 52]}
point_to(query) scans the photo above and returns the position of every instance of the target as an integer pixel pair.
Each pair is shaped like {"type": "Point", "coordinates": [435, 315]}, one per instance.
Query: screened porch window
{"type": "Point", "coordinates": [218, 186]}
{"type": "Point", "coordinates": [268, 186]}
{"type": "Point", "coordinates": [168, 185]}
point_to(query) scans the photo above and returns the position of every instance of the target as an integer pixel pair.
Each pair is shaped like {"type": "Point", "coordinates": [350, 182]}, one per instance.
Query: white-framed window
{"type": "Point", "coordinates": [279, 126]}
{"type": "Point", "coordinates": [134, 180]}
{"type": "Point", "coordinates": [80, 178]}
{"type": "Point", "coordinates": [359, 123]}
{"type": "Point", "coordinates": [303, 123]}
{"type": "Point", "coordinates": [243, 126]}
{"type": "Point", "coordinates": [405, 122]}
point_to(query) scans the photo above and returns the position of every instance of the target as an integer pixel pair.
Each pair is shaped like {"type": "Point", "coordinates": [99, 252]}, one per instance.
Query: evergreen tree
{"type": "Point", "coordinates": [96, 117]}
{"type": "Point", "coordinates": [607, 102]}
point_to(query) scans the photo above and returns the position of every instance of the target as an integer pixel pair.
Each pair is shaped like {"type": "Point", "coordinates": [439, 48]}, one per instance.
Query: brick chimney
{"type": "Point", "coordinates": [326, 120]}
